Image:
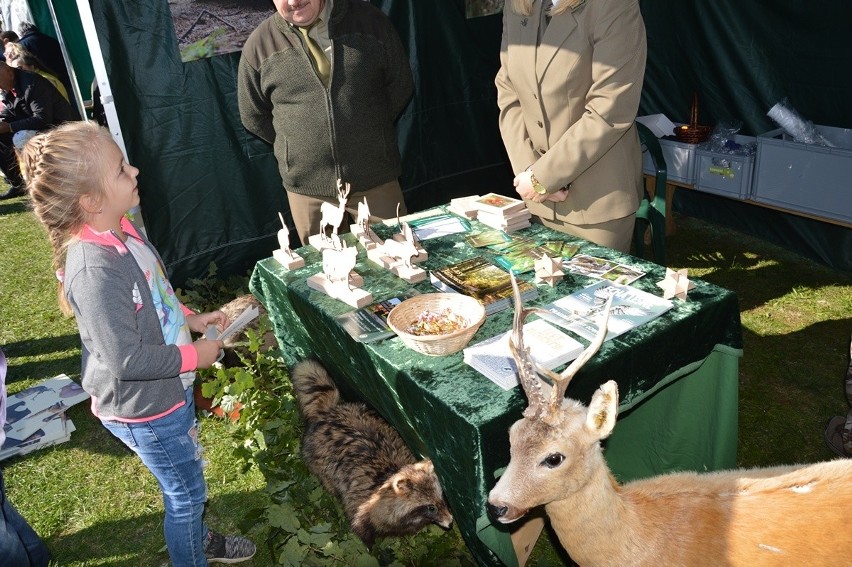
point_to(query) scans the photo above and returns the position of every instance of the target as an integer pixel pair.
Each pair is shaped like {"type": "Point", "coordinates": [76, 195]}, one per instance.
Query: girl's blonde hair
{"type": "Point", "coordinates": [59, 166]}
{"type": "Point", "coordinates": [524, 7]}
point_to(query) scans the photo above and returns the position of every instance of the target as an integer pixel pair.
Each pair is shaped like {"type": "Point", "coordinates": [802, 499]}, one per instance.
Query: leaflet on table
{"type": "Point", "coordinates": [479, 278]}
{"type": "Point", "coordinates": [580, 311]}
{"type": "Point", "coordinates": [520, 254]}
{"type": "Point", "coordinates": [548, 346]}
{"type": "Point", "coordinates": [594, 267]}
{"type": "Point", "coordinates": [438, 225]}
{"type": "Point", "coordinates": [370, 324]}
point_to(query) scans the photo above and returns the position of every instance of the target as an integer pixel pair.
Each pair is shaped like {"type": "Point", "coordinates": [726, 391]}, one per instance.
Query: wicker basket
{"type": "Point", "coordinates": [407, 312]}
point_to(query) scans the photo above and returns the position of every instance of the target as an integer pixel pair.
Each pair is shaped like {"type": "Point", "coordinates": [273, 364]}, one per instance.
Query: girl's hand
{"type": "Point", "coordinates": [200, 321]}
{"type": "Point", "coordinates": [208, 352]}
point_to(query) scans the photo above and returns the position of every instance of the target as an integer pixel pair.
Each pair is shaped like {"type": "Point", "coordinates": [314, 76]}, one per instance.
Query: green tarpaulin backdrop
{"type": "Point", "coordinates": [211, 192]}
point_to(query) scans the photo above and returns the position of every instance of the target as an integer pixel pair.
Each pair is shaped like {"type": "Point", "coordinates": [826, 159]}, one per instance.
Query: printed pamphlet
{"type": "Point", "coordinates": [548, 346]}
{"type": "Point", "coordinates": [479, 278]}
{"type": "Point", "coordinates": [580, 312]}
{"type": "Point", "coordinates": [370, 324]}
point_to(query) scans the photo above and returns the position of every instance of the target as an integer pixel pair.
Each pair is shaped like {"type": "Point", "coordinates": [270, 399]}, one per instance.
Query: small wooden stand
{"type": "Point", "coordinates": [284, 255]}
{"type": "Point", "coordinates": [288, 259]}
{"type": "Point", "coordinates": [411, 274]}
{"type": "Point", "coordinates": [348, 292]}
{"type": "Point", "coordinates": [322, 242]}
{"type": "Point", "coordinates": [366, 237]}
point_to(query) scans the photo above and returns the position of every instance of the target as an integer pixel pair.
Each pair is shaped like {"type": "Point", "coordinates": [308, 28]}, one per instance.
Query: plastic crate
{"type": "Point", "coordinates": [811, 179]}
{"type": "Point", "coordinates": [680, 161]}
{"type": "Point", "coordinates": [729, 175]}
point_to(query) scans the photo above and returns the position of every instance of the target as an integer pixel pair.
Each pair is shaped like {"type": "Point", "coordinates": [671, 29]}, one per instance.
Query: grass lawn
{"type": "Point", "coordinates": [94, 503]}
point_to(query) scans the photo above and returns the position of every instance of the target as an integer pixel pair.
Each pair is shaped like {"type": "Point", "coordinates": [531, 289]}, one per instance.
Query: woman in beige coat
{"type": "Point", "coordinates": [568, 89]}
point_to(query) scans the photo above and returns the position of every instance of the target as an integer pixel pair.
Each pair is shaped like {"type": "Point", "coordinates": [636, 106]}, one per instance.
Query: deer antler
{"type": "Point", "coordinates": [561, 380]}
{"type": "Point", "coordinates": [529, 369]}
{"type": "Point", "coordinates": [537, 404]}
{"type": "Point", "coordinates": [340, 191]}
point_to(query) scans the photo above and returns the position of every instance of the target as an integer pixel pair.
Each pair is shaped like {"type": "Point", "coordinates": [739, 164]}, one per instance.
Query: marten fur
{"type": "Point", "coordinates": [363, 461]}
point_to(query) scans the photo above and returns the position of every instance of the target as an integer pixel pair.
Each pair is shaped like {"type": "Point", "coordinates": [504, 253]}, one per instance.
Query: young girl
{"type": "Point", "coordinates": [138, 355]}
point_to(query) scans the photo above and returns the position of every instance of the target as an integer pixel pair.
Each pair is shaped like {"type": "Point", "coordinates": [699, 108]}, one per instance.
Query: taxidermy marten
{"type": "Point", "coordinates": [363, 461]}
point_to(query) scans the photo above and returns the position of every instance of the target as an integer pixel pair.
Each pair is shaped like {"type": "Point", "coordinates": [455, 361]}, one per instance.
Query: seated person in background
{"type": "Point", "coordinates": [47, 50]}
{"type": "Point", "coordinates": [30, 104]}
{"type": "Point", "coordinates": [17, 56]}
{"type": "Point", "coordinates": [8, 35]}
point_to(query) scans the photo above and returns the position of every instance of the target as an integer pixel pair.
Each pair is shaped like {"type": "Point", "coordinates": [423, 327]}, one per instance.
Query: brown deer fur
{"type": "Point", "coordinates": [781, 516]}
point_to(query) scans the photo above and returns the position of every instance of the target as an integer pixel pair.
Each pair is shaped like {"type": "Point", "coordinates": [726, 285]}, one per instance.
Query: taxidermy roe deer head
{"type": "Point", "coordinates": [780, 516]}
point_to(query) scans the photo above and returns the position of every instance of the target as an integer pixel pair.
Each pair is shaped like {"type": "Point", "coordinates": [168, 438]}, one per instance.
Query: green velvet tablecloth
{"type": "Point", "coordinates": [677, 377]}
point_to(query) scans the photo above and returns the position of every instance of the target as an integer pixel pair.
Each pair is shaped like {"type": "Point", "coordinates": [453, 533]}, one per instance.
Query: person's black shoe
{"type": "Point", "coordinates": [227, 549]}
{"type": "Point", "coordinates": [12, 193]}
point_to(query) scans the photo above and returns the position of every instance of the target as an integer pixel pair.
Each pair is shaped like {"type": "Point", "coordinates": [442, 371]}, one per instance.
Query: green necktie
{"type": "Point", "coordinates": [323, 67]}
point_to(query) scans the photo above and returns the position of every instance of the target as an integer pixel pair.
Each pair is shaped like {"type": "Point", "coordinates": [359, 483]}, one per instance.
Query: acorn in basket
{"type": "Point", "coordinates": [437, 324]}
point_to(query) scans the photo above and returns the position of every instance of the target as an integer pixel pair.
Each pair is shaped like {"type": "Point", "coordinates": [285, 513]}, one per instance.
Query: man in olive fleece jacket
{"type": "Point", "coordinates": [320, 133]}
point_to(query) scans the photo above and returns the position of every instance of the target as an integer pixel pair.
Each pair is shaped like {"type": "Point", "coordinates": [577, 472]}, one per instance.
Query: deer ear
{"type": "Point", "coordinates": [602, 411]}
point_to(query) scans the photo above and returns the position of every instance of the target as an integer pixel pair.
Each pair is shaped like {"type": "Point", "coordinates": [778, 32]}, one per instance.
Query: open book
{"type": "Point", "coordinates": [548, 346]}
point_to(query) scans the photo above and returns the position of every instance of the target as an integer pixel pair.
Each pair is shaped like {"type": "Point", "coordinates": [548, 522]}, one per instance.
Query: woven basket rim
{"type": "Point", "coordinates": [467, 306]}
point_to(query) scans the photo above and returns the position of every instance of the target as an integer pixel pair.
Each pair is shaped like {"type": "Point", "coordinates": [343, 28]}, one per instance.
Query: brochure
{"type": "Point", "coordinates": [602, 268]}
{"type": "Point", "coordinates": [439, 225]}
{"type": "Point", "coordinates": [548, 346]}
{"type": "Point", "coordinates": [486, 282]}
{"type": "Point", "coordinates": [520, 255]}
{"type": "Point", "coordinates": [370, 324]}
{"type": "Point", "coordinates": [580, 311]}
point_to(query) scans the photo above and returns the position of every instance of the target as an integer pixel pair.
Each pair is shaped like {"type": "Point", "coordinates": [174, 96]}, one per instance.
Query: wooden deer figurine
{"type": "Point", "coordinates": [333, 215]}
{"type": "Point", "coordinates": [780, 516]}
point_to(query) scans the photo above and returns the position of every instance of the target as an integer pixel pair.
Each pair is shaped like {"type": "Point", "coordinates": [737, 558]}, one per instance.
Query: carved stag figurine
{"type": "Point", "coordinates": [333, 215]}
{"type": "Point", "coordinates": [790, 515]}
{"type": "Point", "coordinates": [337, 264]}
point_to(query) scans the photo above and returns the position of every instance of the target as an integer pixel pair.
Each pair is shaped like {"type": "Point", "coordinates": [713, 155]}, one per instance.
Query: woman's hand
{"type": "Point", "coordinates": [524, 187]}
{"type": "Point", "coordinates": [200, 321]}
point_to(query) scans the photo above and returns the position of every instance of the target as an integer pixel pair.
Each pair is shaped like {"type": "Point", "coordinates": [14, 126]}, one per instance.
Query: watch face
{"type": "Point", "coordinates": [539, 188]}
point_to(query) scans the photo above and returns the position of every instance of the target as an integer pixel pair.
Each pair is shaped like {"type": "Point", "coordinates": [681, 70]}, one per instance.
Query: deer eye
{"type": "Point", "coordinates": [553, 460]}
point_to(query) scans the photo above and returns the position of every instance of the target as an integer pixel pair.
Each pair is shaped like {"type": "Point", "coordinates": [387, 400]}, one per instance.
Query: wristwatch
{"type": "Point", "coordinates": [537, 186]}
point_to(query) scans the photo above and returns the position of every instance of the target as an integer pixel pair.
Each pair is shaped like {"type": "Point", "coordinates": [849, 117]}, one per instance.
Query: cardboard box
{"type": "Point", "coordinates": [811, 179]}
{"type": "Point", "coordinates": [729, 175]}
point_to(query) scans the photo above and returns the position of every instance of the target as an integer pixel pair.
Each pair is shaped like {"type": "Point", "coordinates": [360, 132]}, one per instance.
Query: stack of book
{"type": "Point", "coordinates": [35, 417]}
{"type": "Point", "coordinates": [503, 213]}
{"type": "Point", "coordinates": [548, 346]}
{"type": "Point", "coordinates": [464, 206]}
{"type": "Point", "coordinates": [486, 282]}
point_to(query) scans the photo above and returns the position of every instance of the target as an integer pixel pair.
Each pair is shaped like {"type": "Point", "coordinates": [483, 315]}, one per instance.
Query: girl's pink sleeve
{"type": "Point", "coordinates": [188, 358]}
{"type": "Point", "coordinates": [186, 310]}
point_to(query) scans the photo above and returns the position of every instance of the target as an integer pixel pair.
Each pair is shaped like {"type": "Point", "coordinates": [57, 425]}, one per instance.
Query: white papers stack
{"type": "Point", "coordinates": [464, 206]}
{"type": "Point", "coordinates": [548, 346]}
{"type": "Point", "coordinates": [35, 417]}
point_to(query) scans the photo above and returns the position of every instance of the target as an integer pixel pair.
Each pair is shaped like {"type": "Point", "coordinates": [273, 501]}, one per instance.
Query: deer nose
{"type": "Point", "coordinates": [497, 511]}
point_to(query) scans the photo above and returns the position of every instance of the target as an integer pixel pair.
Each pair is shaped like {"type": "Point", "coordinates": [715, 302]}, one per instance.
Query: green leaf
{"type": "Point", "coordinates": [292, 553]}
{"type": "Point", "coordinates": [366, 560]}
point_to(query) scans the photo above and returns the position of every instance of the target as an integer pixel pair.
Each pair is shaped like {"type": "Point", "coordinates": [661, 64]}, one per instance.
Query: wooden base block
{"type": "Point", "coordinates": [422, 255]}
{"type": "Point", "coordinates": [350, 294]}
{"type": "Point", "coordinates": [411, 275]}
{"type": "Point", "coordinates": [289, 261]}
{"type": "Point", "coordinates": [367, 238]}
{"type": "Point", "coordinates": [321, 242]}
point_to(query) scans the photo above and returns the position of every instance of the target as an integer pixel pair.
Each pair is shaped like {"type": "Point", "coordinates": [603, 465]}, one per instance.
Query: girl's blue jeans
{"type": "Point", "coordinates": [169, 448]}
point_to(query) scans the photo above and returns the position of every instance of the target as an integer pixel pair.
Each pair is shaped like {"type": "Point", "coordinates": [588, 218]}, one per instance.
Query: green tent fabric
{"type": "Point", "coordinates": [72, 35]}
{"type": "Point", "coordinates": [211, 191]}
